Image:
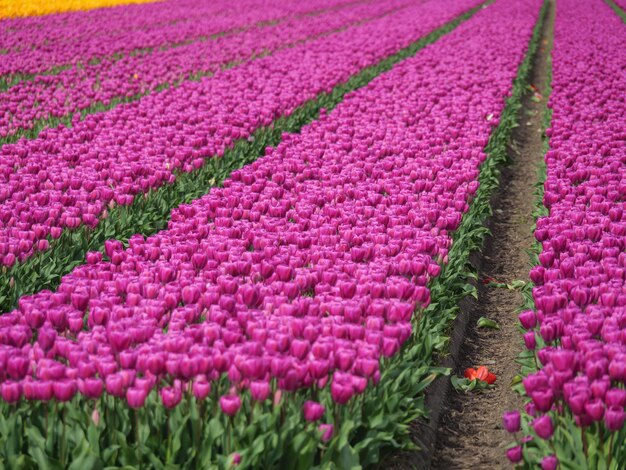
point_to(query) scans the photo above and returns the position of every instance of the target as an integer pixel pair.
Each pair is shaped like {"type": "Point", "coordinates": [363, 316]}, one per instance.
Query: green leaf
{"type": "Point", "coordinates": [83, 457]}
{"type": "Point", "coordinates": [348, 458]}
{"type": "Point", "coordinates": [484, 322]}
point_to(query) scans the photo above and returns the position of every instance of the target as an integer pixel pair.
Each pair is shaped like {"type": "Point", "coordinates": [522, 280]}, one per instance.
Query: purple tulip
{"type": "Point", "coordinates": [64, 390]}
{"type": "Point", "coordinates": [327, 431]}
{"type": "Point", "coordinates": [543, 427]}
{"type": "Point", "coordinates": [17, 367]}
{"type": "Point", "coordinates": [11, 392]}
{"type": "Point", "coordinates": [46, 338]}
{"type": "Point", "coordinates": [595, 409]}
{"type": "Point", "coordinates": [615, 397]}
{"type": "Point", "coordinates": [201, 389]}
{"type": "Point", "coordinates": [114, 384]}
{"type": "Point", "coordinates": [562, 359]}
{"type": "Point", "coordinates": [514, 454]}
{"type": "Point", "coordinates": [313, 411]}
{"type": "Point", "coordinates": [549, 462]}
{"type": "Point", "coordinates": [230, 404]}
{"type": "Point", "coordinates": [91, 387]}
{"type": "Point", "coordinates": [341, 393]}
{"type": "Point", "coordinates": [511, 421]}
{"type": "Point", "coordinates": [136, 397]}
{"type": "Point", "coordinates": [260, 390]}
{"type": "Point", "coordinates": [171, 396]}
{"type": "Point", "coordinates": [614, 418]}
{"type": "Point", "coordinates": [528, 319]}
{"type": "Point", "coordinates": [530, 341]}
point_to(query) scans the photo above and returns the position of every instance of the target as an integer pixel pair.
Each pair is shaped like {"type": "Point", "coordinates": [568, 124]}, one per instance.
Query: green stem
{"type": "Point", "coordinates": [63, 437]}
{"type": "Point", "coordinates": [45, 420]}
{"type": "Point", "coordinates": [138, 447]}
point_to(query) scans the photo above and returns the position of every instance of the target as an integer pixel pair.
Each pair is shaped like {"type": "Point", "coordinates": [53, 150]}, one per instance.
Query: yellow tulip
{"type": "Point", "coordinates": [17, 8]}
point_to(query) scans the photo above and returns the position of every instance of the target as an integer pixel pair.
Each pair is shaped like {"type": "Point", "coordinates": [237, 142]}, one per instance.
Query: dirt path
{"type": "Point", "coordinates": [471, 434]}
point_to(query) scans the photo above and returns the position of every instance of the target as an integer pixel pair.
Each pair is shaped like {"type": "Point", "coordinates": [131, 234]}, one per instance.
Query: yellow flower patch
{"type": "Point", "coordinates": [17, 8]}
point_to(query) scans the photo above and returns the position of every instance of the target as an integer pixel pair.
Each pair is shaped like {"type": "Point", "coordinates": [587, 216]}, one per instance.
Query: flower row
{"type": "Point", "coordinates": [580, 281]}
{"type": "Point", "coordinates": [69, 176]}
{"type": "Point", "coordinates": [80, 87]}
{"type": "Point", "coordinates": [36, 45]}
{"type": "Point", "coordinates": [306, 266]}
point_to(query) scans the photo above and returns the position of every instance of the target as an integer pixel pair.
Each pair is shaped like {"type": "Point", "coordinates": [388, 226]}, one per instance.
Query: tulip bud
{"type": "Point", "coordinates": [64, 390]}
{"type": "Point", "coordinates": [91, 387]}
{"type": "Point", "coordinates": [595, 409]}
{"type": "Point", "coordinates": [170, 396]}
{"type": "Point", "coordinates": [615, 397]}
{"type": "Point", "coordinates": [136, 397]}
{"type": "Point", "coordinates": [530, 341]}
{"type": "Point", "coordinates": [511, 421]}
{"type": "Point", "coordinates": [543, 399]}
{"type": "Point", "coordinates": [614, 418]}
{"type": "Point", "coordinates": [514, 454]}
{"type": "Point", "coordinates": [563, 359]}
{"type": "Point", "coordinates": [528, 319]}
{"type": "Point", "coordinates": [543, 426]}
{"type": "Point", "coordinates": [347, 289]}
{"type": "Point", "coordinates": [313, 410]}
{"type": "Point", "coordinates": [35, 319]}
{"type": "Point", "coordinates": [260, 390]}
{"type": "Point", "coordinates": [115, 385]}
{"type": "Point", "coordinates": [327, 432]}
{"type": "Point", "coordinates": [340, 393]}
{"type": "Point", "coordinates": [201, 389]}
{"type": "Point", "coordinates": [11, 392]}
{"type": "Point", "coordinates": [230, 404]}
{"type": "Point", "coordinates": [95, 416]}
{"type": "Point", "coordinates": [549, 462]}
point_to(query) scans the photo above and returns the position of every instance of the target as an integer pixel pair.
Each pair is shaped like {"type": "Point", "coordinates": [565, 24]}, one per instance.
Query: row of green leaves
{"type": "Point", "coordinates": [149, 213]}
{"type": "Point", "coordinates": [198, 435]}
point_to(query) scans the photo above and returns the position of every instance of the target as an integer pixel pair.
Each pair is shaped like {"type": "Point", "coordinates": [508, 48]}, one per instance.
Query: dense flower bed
{"type": "Point", "coordinates": [24, 105]}
{"type": "Point", "coordinates": [36, 45]}
{"type": "Point", "coordinates": [306, 265]}
{"type": "Point", "coordinates": [303, 271]}
{"type": "Point", "coordinates": [580, 291]}
{"type": "Point", "coordinates": [68, 176]}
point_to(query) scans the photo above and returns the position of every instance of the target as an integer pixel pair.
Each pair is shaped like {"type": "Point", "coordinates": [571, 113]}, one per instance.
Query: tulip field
{"type": "Point", "coordinates": [238, 234]}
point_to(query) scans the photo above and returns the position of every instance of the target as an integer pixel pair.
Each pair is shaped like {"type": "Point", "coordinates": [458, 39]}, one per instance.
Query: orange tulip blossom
{"type": "Point", "coordinates": [482, 374]}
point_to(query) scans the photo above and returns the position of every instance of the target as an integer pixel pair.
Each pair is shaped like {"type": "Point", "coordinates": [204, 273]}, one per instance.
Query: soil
{"type": "Point", "coordinates": [471, 433]}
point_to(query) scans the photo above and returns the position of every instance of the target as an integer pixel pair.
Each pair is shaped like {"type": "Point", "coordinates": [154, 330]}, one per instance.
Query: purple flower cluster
{"type": "Point", "coordinates": [305, 267]}
{"type": "Point", "coordinates": [68, 176]}
{"type": "Point", "coordinates": [580, 288]}
{"type": "Point", "coordinates": [81, 86]}
{"type": "Point", "coordinates": [35, 45]}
